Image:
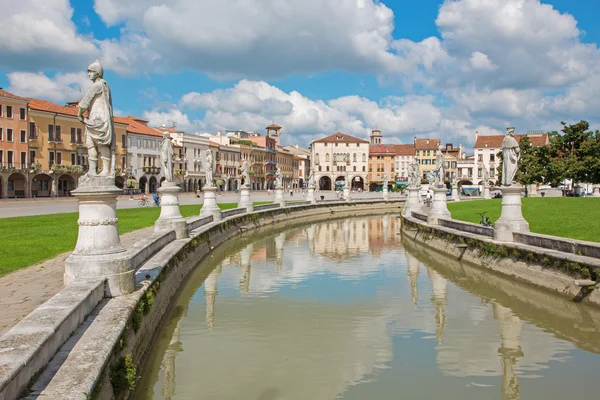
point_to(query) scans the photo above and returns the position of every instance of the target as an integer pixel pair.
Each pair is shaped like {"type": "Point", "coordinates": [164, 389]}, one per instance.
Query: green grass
{"type": "Point", "coordinates": [30, 240]}
{"type": "Point", "coordinates": [570, 217]}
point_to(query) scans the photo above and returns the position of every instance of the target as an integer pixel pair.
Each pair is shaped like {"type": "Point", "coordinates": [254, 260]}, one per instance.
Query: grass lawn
{"type": "Point", "coordinates": [571, 217]}
{"type": "Point", "coordinates": [30, 240]}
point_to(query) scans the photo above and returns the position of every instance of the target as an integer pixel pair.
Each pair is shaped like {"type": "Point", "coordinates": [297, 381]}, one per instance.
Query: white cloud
{"type": "Point", "coordinates": [40, 34]}
{"type": "Point", "coordinates": [59, 89]}
{"type": "Point", "coordinates": [168, 116]}
{"type": "Point", "coordinates": [479, 60]}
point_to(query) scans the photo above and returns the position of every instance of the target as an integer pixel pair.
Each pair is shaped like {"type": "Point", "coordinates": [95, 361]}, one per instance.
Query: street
{"type": "Point", "coordinates": [25, 207]}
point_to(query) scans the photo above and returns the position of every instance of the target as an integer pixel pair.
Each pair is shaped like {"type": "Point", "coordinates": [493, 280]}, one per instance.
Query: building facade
{"type": "Point", "coordinates": [193, 159]}
{"type": "Point", "coordinates": [426, 151]}
{"type": "Point", "coordinates": [143, 155]}
{"type": "Point", "coordinates": [338, 157]}
{"type": "Point", "coordinates": [15, 156]}
{"type": "Point", "coordinates": [405, 155]}
{"type": "Point", "coordinates": [270, 162]}
{"type": "Point", "coordinates": [382, 161]}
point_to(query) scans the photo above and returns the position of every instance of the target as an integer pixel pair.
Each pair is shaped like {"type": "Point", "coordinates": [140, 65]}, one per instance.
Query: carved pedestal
{"type": "Point", "coordinates": [170, 216]}
{"type": "Point", "coordinates": [454, 195]}
{"type": "Point", "coordinates": [413, 200]}
{"type": "Point", "coordinates": [511, 218]}
{"type": "Point", "coordinates": [209, 205]}
{"type": "Point", "coordinates": [310, 195]}
{"type": "Point", "coordinates": [439, 206]}
{"type": "Point", "coordinates": [346, 194]}
{"type": "Point", "coordinates": [279, 196]}
{"type": "Point", "coordinates": [486, 192]}
{"type": "Point", "coordinates": [245, 199]}
{"type": "Point", "coordinates": [386, 193]}
{"type": "Point", "coordinates": [98, 253]}
{"type": "Point", "coordinates": [596, 192]}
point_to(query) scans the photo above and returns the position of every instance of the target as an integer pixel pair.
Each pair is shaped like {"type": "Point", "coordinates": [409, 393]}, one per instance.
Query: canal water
{"type": "Point", "coordinates": [350, 309]}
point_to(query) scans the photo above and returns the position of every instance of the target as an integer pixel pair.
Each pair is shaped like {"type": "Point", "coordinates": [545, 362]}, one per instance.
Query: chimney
{"type": "Point", "coordinates": [476, 135]}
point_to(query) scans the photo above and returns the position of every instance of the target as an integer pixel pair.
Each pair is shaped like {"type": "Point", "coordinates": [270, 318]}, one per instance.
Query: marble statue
{"type": "Point", "coordinates": [510, 157]}
{"type": "Point", "coordinates": [454, 181]}
{"type": "Point", "coordinates": [209, 169]}
{"type": "Point", "coordinates": [311, 176]}
{"type": "Point", "coordinates": [385, 177]}
{"type": "Point", "coordinates": [430, 177]}
{"type": "Point", "coordinates": [278, 178]}
{"type": "Point", "coordinates": [166, 157]}
{"type": "Point", "coordinates": [245, 173]}
{"type": "Point", "coordinates": [440, 160]}
{"type": "Point", "coordinates": [486, 175]}
{"type": "Point", "coordinates": [413, 173]}
{"type": "Point", "coordinates": [99, 128]}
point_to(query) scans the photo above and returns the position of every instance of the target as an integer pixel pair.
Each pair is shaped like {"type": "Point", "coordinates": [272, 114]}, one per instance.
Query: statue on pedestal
{"type": "Point", "coordinates": [278, 178]}
{"type": "Point", "coordinates": [454, 182]}
{"type": "Point", "coordinates": [311, 177]}
{"type": "Point", "coordinates": [486, 175]}
{"type": "Point", "coordinates": [99, 128]}
{"type": "Point", "coordinates": [510, 157]}
{"type": "Point", "coordinates": [245, 174]}
{"type": "Point", "coordinates": [166, 157]}
{"type": "Point", "coordinates": [440, 160]}
{"type": "Point", "coordinates": [385, 178]}
{"type": "Point", "coordinates": [413, 173]}
{"type": "Point", "coordinates": [209, 169]}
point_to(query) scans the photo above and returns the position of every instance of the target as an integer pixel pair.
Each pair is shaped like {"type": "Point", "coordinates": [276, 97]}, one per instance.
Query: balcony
{"type": "Point", "coordinates": [151, 170]}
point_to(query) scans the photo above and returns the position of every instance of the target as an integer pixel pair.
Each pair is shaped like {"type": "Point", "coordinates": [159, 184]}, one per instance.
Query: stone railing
{"type": "Point", "coordinates": [573, 246]}
{"type": "Point", "coordinates": [196, 222]}
{"type": "Point", "coordinates": [419, 216]}
{"type": "Point", "coordinates": [467, 227]}
{"type": "Point", "coordinates": [266, 207]}
{"type": "Point", "coordinates": [233, 211]}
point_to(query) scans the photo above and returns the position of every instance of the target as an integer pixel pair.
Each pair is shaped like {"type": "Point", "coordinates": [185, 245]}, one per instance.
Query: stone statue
{"type": "Point", "coordinates": [440, 160]}
{"type": "Point", "coordinates": [209, 169]}
{"type": "Point", "coordinates": [454, 182]}
{"type": "Point", "coordinates": [413, 173]}
{"type": "Point", "coordinates": [311, 177]}
{"type": "Point", "coordinates": [486, 175]}
{"type": "Point", "coordinates": [166, 157]}
{"type": "Point", "coordinates": [510, 157]}
{"type": "Point", "coordinates": [245, 173]}
{"type": "Point", "coordinates": [278, 178]}
{"type": "Point", "coordinates": [385, 178]}
{"type": "Point", "coordinates": [99, 128]}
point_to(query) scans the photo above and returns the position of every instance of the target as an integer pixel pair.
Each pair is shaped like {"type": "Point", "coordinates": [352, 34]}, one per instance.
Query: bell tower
{"type": "Point", "coordinates": [274, 131]}
{"type": "Point", "coordinates": [375, 136]}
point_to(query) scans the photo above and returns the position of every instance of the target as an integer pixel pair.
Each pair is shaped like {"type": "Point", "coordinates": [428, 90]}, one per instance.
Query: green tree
{"type": "Point", "coordinates": [570, 153]}
{"type": "Point", "coordinates": [533, 163]}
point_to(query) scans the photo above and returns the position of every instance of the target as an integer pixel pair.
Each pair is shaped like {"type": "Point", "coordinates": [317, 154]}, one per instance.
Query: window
{"type": "Point", "coordinates": [328, 168]}
{"type": "Point", "coordinates": [347, 144]}
{"type": "Point", "coordinates": [492, 157]}
{"type": "Point", "coordinates": [32, 156]}
{"type": "Point", "coordinates": [57, 131]}
{"type": "Point", "coordinates": [354, 157]}
{"type": "Point", "coordinates": [123, 141]}
{"type": "Point", "coordinates": [364, 157]}
{"type": "Point", "coordinates": [73, 159]}
{"type": "Point", "coordinates": [139, 143]}
{"type": "Point", "coordinates": [364, 168]}
{"type": "Point", "coordinates": [23, 159]}
{"type": "Point", "coordinates": [79, 136]}
{"type": "Point", "coordinates": [23, 136]}
{"type": "Point", "coordinates": [51, 158]}
{"type": "Point", "coordinates": [129, 142]}
{"type": "Point", "coordinates": [0, 110]}
{"type": "Point", "coordinates": [59, 157]}
{"type": "Point", "coordinates": [8, 111]}
{"type": "Point", "coordinates": [50, 132]}
{"type": "Point", "coordinates": [1, 134]}
{"type": "Point", "coordinates": [32, 130]}
{"type": "Point", "coordinates": [73, 135]}
{"type": "Point", "coordinates": [480, 157]}
{"type": "Point", "coordinates": [336, 145]}
{"type": "Point", "coordinates": [319, 168]}
{"type": "Point", "coordinates": [9, 155]}
{"type": "Point", "coordinates": [354, 168]}
{"type": "Point", "coordinates": [22, 114]}
{"type": "Point", "coordinates": [327, 157]}
{"type": "Point", "coordinates": [1, 157]}
{"type": "Point", "coordinates": [9, 135]}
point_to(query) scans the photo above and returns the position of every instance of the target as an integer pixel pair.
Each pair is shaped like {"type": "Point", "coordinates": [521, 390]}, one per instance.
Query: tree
{"type": "Point", "coordinates": [533, 163]}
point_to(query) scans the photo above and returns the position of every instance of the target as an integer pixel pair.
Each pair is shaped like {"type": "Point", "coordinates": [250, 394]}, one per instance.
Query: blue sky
{"type": "Point", "coordinates": [429, 68]}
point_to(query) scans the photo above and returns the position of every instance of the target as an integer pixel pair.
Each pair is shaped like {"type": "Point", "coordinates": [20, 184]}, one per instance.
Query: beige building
{"type": "Point", "coordinates": [426, 152]}
{"type": "Point", "coordinates": [338, 156]}
{"type": "Point", "coordinates": [15, 156]}
{"type": "Point", "coordinates": [301, 165]}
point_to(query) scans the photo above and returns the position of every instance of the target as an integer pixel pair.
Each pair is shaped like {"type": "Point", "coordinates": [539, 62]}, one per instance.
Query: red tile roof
{"type": "Point", "coordinates": [139, 126]}
{"type": "Point", "coordinates": [43, 105]}
{"type": "Point", "coordinates": [427, 144]}
{"type": "Point", "coordinates": [405, 149]}
{"type": "Point", "coordinates": [496, 140]}
{"type": "Point", "coordinates": [273, 126]}
{"type": "Point", "coordinates": [4, 93]}
{"type": "Point", "coordinates": [382, 149]}
{"type": "Point", "coordinates": [340, 138]}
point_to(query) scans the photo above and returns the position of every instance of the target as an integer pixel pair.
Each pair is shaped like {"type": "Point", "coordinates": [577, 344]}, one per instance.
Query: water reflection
{"type": "Point", "coordinates": [333, 311]}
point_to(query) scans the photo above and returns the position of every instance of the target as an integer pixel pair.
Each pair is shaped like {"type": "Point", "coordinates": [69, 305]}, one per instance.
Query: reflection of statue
{"type": "Point", "coordinates": [209, 169]}
{"type": "Point", "coordinates": [166, 157]}
{"type": "Point", "coordinates": [440, 160]}
{"type": "Point", "coordinates": [245, 173]}
{"type": "Point", "coordinates": [278, 178]}
{"type": "Point", "coordinates": [438, 283]}
{"type": "Point", "coordinates": [99, 128]}
{"type": "Point", "coordinates": [510, 157]}
{"type": "Point", "coordinates": [486, 175]}
{"type": "Point", "coordinates": [509, 351]}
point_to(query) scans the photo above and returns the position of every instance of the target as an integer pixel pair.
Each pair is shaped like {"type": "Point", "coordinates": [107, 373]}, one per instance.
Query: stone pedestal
{"type": "Point", "coordinates": [209, 205]}
{"type": "Point", "coordinates": [439, 206]}
{"type": "Point", "coordinates": [511, 218]}
{"type": "Point", "coordinates": [245, 201]}
{"type": "Point", "coordinates": [386, 193]}
{"type": "Point", "coordinates": [455, 196]}
{"type": "Point", "coordinates": [596, 192]}
{"type": "Point", "coordinates": [346, 194]}
{"type": "Point", "coordinates": [310, 195]}
{"type": "Point", "coordinates": [413, 200]}
{"type": "Point", "coordinates": [98, 253]}
{"type": "Point", "coordinates": [170, 216]}
{"type": "Point", "coordinates": [279, 196]}
{"type": "Point", "coordinates": [486, 193]}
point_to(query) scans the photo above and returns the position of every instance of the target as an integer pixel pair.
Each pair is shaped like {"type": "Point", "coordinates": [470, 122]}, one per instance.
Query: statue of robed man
{"type": "Point", "coordinates": [510, 157]}
{"type": "Point", "coordinates": [166, 157]}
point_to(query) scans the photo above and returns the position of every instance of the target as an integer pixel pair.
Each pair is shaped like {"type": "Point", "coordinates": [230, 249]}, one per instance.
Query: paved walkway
{"type": "Point", "coordinates": [25, 289]}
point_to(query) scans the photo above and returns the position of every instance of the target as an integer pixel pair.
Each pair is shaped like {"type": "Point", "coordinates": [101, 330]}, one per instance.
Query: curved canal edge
{"type": "Point", "coordinates": [106, 340]}
{"type": "Point", "coordinates": [546, 269]}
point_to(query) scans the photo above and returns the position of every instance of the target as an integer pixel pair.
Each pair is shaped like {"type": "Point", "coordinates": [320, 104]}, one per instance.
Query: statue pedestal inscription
{"type": "Point", "coordinates": [310, 195]}
{"type": "Point", "coordinates": [170, 216]}
{"type": "Point", "coordinates": [511, 218]}
{"type": "Point", "coordinates": [454, 195]}
{"type": "Point", "coordinates": [413, 202]}
{"type": "Point", "coordinates": [209, 205]}
{"type": "Point", "coordinates": [245, 201]}
{"type": "Point", "coordinates": [98, 253]}
{"type": "Point", "coordinates": [439, 206]}
{"type": "Point", "coordinates": [279, 196]}
{"type": "Point", "coordinates": [486, 192]}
